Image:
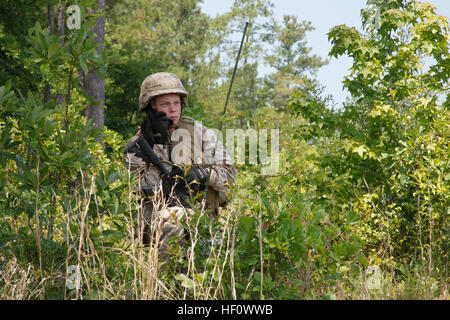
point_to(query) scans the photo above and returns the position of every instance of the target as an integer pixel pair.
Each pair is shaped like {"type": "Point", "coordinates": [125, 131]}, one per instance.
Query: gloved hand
{"type": "Point", "coordinates": [196, 173]}
{"type": "Point", "coordinates": [160, 125]}
{"type": "Point", "coordinates": [195, 177]}
{"type": "Point", "coordinates": [176, 184]}
{"type": "Point", "coordinates": [174, 187]}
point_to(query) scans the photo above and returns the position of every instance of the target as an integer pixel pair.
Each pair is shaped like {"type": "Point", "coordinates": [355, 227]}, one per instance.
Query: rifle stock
{"type": "Point", "coordinates": [142, 144]}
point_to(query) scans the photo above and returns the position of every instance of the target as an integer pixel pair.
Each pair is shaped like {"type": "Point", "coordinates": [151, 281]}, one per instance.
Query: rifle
{"type": "Point", "coordinates": [151, 157]}
{"type": "Point", "coordinates": [179, 193]}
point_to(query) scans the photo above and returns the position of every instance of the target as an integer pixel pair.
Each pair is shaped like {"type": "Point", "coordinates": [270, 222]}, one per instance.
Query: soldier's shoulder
{"type": "Point", "coordinates": [191, 121]}
{"type": "Point", "coordinates": [187, 119]}
{"type": "Point", "coordinates": [198, 127]}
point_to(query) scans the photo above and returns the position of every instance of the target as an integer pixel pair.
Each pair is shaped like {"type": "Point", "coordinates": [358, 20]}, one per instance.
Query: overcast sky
{"type": "Point", "coordinates": [323, 14]}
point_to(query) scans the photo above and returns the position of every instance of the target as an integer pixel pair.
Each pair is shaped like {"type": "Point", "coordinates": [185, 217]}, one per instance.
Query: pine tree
{"type": "Point", "coordinates": [291, 58]}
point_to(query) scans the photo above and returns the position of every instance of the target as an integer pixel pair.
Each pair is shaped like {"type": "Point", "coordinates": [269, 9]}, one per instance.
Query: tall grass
{"type": "Point", "coordinates": [143, 271]}
{"type": "Point", "coordinates": [201, 266]}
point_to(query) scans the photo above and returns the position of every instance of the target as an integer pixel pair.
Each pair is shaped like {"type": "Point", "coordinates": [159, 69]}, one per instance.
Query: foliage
{"type": "Point", "coordinates": [16, 18]}
{"type": "Point", "coordinates": [291, 59]}
{"type": "Point", "coordinates": [51, 163]}
{"type": "Point", "coordinates": [391, 140]}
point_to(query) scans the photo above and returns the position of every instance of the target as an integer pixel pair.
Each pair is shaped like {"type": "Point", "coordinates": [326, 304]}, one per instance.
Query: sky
{"type": "Point", "coordinates": [324, 15]}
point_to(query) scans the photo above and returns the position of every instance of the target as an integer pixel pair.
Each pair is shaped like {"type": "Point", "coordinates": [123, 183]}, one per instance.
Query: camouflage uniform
{"type": "Point", "coordinates": [191, 143]}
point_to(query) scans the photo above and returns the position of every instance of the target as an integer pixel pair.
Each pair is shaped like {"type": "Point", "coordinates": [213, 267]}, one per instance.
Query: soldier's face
{"type": "Point", "coordinates": [171, 105]}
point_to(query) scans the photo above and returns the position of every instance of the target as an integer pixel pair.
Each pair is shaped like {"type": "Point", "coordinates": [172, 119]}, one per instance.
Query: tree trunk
{"type": "Point", "coordinates": [92, 83]}
{"type": "Point", "coordinates": [61, 33]}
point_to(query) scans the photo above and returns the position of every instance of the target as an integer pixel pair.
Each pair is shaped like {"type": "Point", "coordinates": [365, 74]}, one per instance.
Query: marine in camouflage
{"type": "Point", "coordinates": [193, 144]}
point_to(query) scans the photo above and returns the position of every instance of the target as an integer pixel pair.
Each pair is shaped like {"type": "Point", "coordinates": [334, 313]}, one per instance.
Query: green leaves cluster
{"type": "Point", "coordinates": [291, 246]}
{"type": "Point", "coordinates": [55, 176]}
{"type": "Point", "coordinates": [59, 59]}
{"type": "Point", "coordinates": [391, 140]}
{"type": "Point", "coordinates": [390, 59]}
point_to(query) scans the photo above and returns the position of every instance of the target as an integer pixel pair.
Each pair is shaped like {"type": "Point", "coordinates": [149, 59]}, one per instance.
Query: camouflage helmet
{"type": "Point", "coordinates": [158, 84]}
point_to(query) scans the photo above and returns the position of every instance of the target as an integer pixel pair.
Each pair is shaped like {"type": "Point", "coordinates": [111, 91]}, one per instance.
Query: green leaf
{"type": "Point", "coordinates": [339, 249]}
{"type": "Point", "coordinates": [363, 260]}
{"type": "Point", "coordinates": [360, 150]}
{"type": "Point", "coordinates": [53, 49]}
{"type": "Point", "coordinates": [113, 177]}
{"type": "Point", "coordinates": [352, 217]}
{"type": "Point", "coordinates": [185, 281]}
{"type": "Point", "coordinates": [83, 64]}
{"type": "Point", "coordinates": [5, 93]}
